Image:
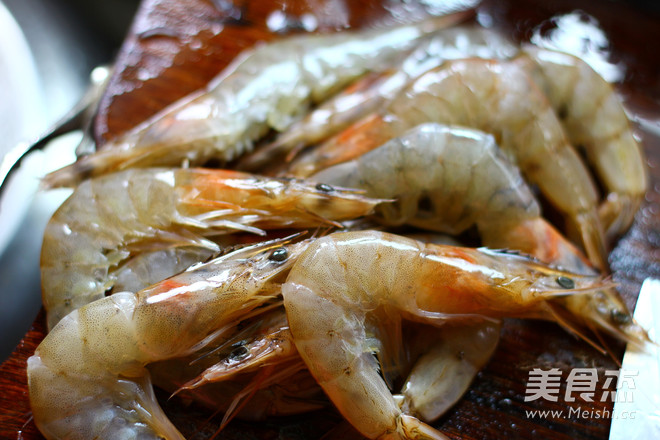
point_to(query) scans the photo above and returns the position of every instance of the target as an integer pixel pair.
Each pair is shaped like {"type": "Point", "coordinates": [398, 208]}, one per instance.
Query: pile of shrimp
{"type": "Point", "coordinates": [327, 258]}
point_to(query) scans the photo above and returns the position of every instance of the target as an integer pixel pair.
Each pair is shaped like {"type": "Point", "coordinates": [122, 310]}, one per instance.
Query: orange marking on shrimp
{"type": "Point", "coordinates": [166, 285]}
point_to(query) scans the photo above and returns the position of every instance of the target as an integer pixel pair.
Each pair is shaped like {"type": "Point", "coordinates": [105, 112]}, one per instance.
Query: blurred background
{"type": "Point", "coordinates": [48, 48]}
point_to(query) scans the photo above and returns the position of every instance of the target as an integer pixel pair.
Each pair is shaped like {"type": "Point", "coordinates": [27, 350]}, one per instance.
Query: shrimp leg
{"type": "Point", "coordinates": [346, 280]}
{"type": "Point", "coordinates": [87, 378]}
{"type": "Point", "coordinates": [264, 88]}
{"type": "Point", "coordinates": [109, 219]}
{"type": "Point", "coordinates": [499, 98]}
{"type": "Point", "coordinates": [443, 373]}
{"type": "Point", "coordinates": [594, 119]}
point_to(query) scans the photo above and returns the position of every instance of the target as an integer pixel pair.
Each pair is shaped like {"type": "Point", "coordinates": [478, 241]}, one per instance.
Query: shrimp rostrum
{"type": "Point", "coordinates": [354, 282]}
{"type": "Point", "coordinates": [87, 379]}
{"type": "Point", "coordinates": [111, 218]}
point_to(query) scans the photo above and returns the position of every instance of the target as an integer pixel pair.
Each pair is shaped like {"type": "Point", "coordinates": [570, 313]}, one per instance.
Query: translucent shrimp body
{"type": "Point", "coordinates": [110, 218]}
{"type": "Point", "coordinates": [449, 179]}
{"type": "Point", "coordinates": [501, 99]}
{"type": "Point", "coordinates": [347, 281]}
{"type": "Point", "coordinates": [462, 179]}
{"type": "Point", "coordinates": [266, 87]}
{"type": "Point", "coordinates": [594, 119]}
{"type": "Point", "coordinates": [87, 378]}
{"type": "Point", "coordinates": [147, 268]}
{"type": "Point", "coordinates": [369, 93]}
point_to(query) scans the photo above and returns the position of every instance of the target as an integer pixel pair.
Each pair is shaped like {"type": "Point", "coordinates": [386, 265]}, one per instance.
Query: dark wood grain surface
{"type": "Point", "coordinates": [175, 47]}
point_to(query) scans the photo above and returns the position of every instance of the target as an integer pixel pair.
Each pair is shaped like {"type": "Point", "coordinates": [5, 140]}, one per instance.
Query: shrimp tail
{"type": "Point", "coordinates": [414, 429]}
{"type": "Point", "coordinates": [617, 212]}
{"type": "Point", "coordinates": [589, 228]}
{"type": "Point", "coordinates": [91, 412]}
{"type": "Point", "coordinates": [100, 162]}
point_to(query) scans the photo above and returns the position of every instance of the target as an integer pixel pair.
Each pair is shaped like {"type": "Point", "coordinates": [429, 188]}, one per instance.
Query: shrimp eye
{"type": "Point", "coordinates": [239, 351]}
{"type": "Point", "coordinates": [565, 282]}
{"type": "Point", "coordinates": [620, 317]}
{"type": "Point", "coordinates": [279, 254]}
{"type": "Point", "coordinates": [324, 187]}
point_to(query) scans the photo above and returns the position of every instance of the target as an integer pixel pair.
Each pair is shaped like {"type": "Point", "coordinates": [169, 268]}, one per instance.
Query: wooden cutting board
{"type": "Point", "coordinates": [175, 47]}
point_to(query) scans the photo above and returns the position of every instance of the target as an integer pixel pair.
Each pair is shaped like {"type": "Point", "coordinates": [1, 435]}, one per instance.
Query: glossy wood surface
{"type": "Point", "coordinates": [175, 47]}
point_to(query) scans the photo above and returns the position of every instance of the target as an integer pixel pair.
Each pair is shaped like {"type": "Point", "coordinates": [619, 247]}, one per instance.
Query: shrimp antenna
{"type": "Point", "coordinates": [252, 249]}
{"type": "Point", "coordinates": [244, 397]}
{"type": "Point", "coordinates": [604, 344]}
{"type": "Point", "coordinates": [555, 310]}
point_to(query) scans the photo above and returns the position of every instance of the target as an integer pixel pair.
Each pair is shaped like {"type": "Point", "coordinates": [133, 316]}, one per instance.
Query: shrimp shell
{"type": "Point", "coordinates": [266, 87]}
{"type": "Point", "coordinates": [87, 377]}
{"type": "Point", "coordinates": [371, 92]}
{"type": "Point", "coordinates": [499, 98]}
{"type": "Point", "coordinates": [110, 218]}
{"type": "Point", "coordinates": [594, 119]}
{"type": "Point", "coordinates": [347, 281]}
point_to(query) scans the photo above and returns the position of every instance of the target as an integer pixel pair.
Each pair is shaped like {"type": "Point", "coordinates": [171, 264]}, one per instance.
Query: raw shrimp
{"type": "Point", "coordinates": [499, 98]}
{"type": "Point", "coordinates": [371, 92]}
{"type": "Point", "coordinates": [270, 342]}
{"type": "Point", "coordinates": [465, 180]}
{"type": "Point", "coordinates": [87, 377]}
{"type": "Point", "coordinates": [448, 179]}
{"type": "Point", "coordinates": [251, 372]}
{"type": "Point", "coordinates": [107, 219]}
{"type": "Point", "coordinates": [447, 359]}
{"type": "Point", "coordinates": [274, 390]}
{"type": "Point", "coordinates": [594, 119]}
{"type": "Point", "coordinates": [266, 87]}
{"type": "Point", "coordinates": [354, 282]}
